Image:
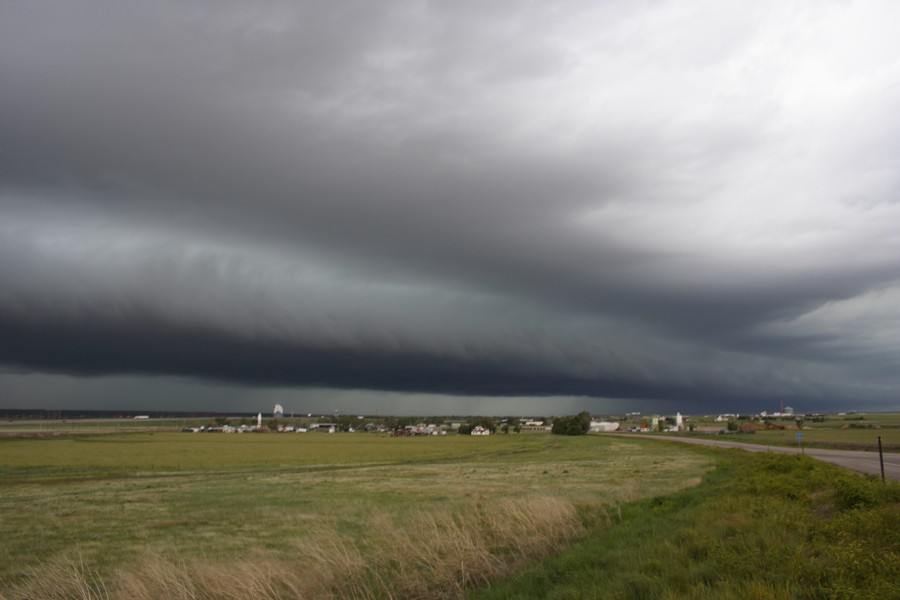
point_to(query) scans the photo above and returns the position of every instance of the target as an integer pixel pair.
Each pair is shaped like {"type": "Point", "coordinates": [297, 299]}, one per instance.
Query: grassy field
{"type": "Point", "coordinates": [848, 432]}
{"type": "Point", "coordinates": [760, 527]}
{"type": "Point", "coordinates": [157, 514]}
{"type": "Point", "coordinates": [829, 437]}
{"type": "Point", "coordinates": [87, 426]}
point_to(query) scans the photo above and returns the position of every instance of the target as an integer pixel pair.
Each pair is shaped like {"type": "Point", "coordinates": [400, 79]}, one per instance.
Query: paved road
{"type": "Point", "coordinates": [862, 462]}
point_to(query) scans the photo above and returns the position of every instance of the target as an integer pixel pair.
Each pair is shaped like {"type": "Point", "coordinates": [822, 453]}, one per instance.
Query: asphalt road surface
{"type": "Point", "coordinates": [862, 462]}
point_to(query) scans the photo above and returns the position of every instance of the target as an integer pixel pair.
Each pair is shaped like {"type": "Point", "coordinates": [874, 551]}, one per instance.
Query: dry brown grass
{"type": "Point", "coordinates": [440, 555]}
{"type": "Point", "coordinates": [62, 580]}
{"type": "Point", "coordinates": [430, 555]}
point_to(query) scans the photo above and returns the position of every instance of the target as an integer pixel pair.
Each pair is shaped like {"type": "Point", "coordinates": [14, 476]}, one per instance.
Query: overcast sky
{"type": "Point", "coordinates": [450, 207]}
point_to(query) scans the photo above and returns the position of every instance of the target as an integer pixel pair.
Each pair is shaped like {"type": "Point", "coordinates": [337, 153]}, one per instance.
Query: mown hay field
{"type": "Point", "coordinates": [307, 515]}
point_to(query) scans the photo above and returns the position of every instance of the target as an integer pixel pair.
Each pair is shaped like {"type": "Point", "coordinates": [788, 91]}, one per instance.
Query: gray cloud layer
{"type": "Point", "coordinates": [689, 201]}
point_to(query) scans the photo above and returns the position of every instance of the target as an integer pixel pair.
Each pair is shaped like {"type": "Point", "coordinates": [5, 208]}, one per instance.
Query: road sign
{"type": "Point", "coordinates": [799, 436]}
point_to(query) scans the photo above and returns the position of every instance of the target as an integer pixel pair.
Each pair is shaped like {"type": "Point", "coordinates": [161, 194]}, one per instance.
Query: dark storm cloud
{"type": "Point", "coordinates": [667, 201]}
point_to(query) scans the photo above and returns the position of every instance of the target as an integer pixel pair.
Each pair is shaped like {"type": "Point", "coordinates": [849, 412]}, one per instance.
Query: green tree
{"type": "Point", "coordinates": [580, 424]}
{"type": "Point", "coordinates": [511, 424]}
{"type": "Point", "coordinates": [345, 422]}
{"type": "Point", "coordinates": [584, 419]}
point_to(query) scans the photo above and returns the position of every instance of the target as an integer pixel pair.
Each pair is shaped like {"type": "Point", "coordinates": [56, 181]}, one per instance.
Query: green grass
{"type": "Point", "coordinates": [847, 432]}
{"type": "Point", "coordinates": [114, 503]}
{"type": "Point", "coordinates": [760, 526]}
{"type": "Point", "coordinates": [62, 426]}
{"type": "Point", "coordinates": [148, 452]}
{"type": "Point", "coordinates": [143, 516]}
{"type": "Point", "coordinates": [815, 435]}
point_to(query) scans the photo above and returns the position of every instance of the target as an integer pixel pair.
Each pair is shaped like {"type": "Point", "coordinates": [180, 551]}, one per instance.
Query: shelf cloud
{"type": "Point", "coordinates": [660, 204]}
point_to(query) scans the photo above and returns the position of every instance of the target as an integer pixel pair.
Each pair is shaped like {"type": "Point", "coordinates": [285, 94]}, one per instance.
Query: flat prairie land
{"type": "Point", "coordinates": [849, 432]}
{"type": "Point", "coordinates": [314, 515]}
{"type": "Point", "coordinates": [831, 437]}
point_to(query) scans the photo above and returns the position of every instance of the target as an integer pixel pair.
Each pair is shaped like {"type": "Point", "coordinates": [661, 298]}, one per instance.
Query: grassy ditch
{"type": "Point", "coordinates": [761, 526]}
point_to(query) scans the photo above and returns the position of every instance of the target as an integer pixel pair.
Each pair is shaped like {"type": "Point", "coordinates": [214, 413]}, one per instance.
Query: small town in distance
{"type": "Point", "coordinates": [583, 423]}
{"type": "Point", "coordinates": [784, 423]}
